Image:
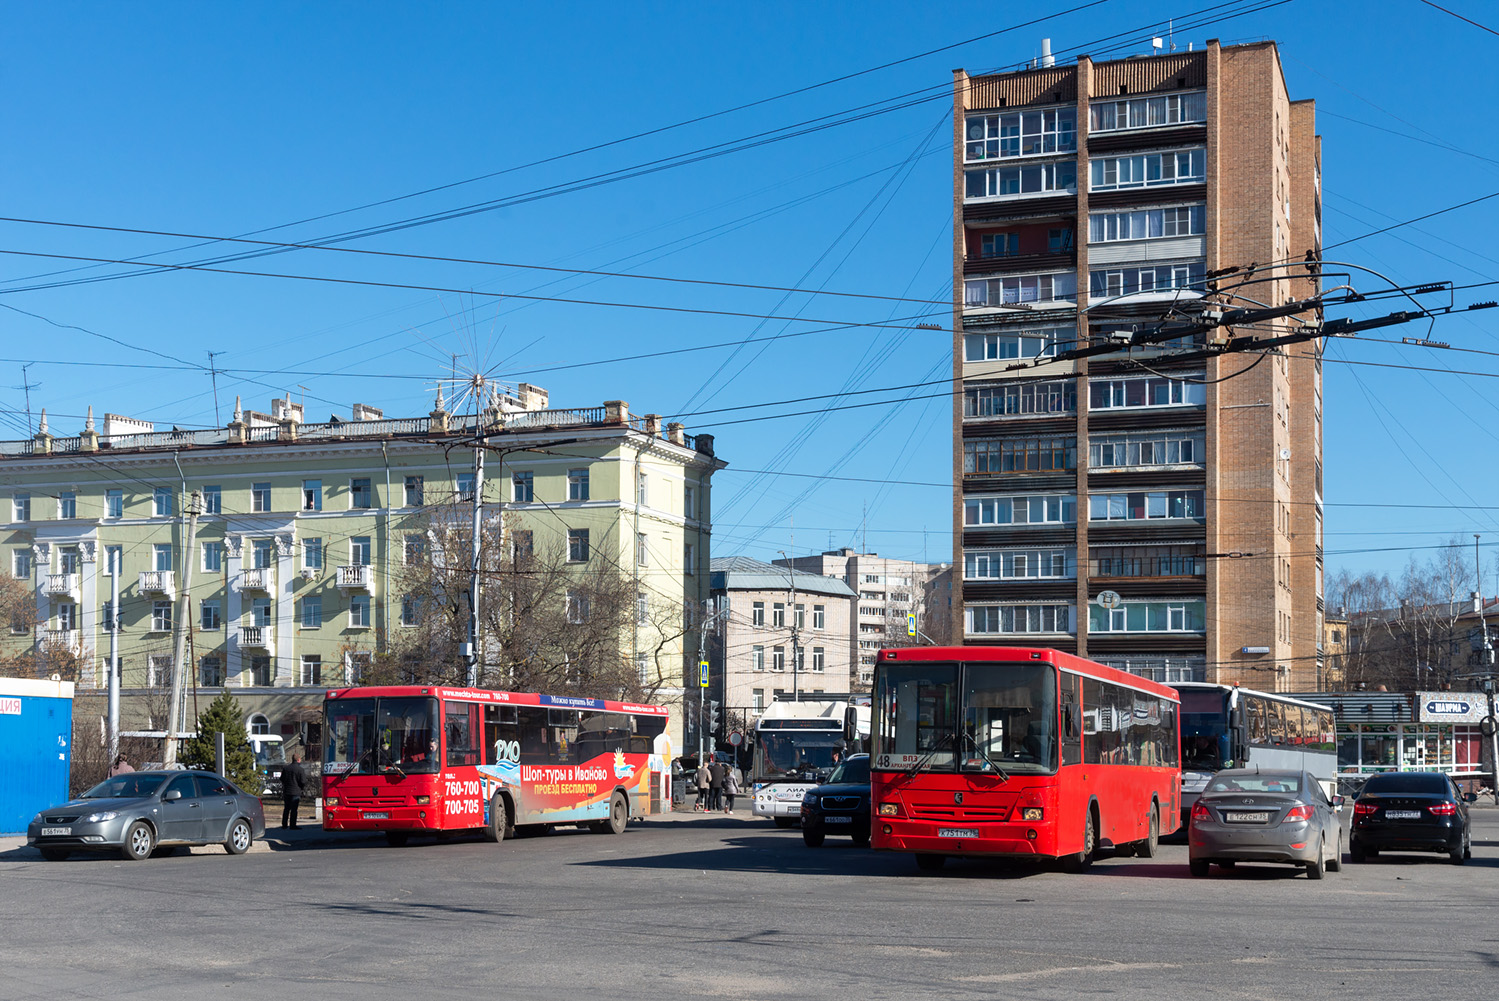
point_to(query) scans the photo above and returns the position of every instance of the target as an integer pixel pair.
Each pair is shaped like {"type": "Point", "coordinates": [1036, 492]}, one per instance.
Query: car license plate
{"type": "Point", "coordinates": [377, 815]}
{"type": "Point", "coordinates": [1403, 814]}
{"type": "Point", "coordinates": [1246, 818]}
{"type": "Point", "coordinates": [957, 832]}
{"type": "Point", "coordinates": [837, 820]}
{"type": "Point", "coordinates": [56, 832]}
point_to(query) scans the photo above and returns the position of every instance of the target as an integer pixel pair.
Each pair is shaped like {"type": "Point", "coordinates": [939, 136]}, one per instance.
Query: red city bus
{"type": "Point", "coordinates": [1021, 752]}
{"type": "Point", "coordinates": [411, 759]}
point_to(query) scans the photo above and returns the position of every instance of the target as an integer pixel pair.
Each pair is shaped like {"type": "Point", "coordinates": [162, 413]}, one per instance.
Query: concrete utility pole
{"type": "Point", "coordinates": [1487, 653]}
{"type": "Point", "coordinates": [114, 654]}
{"type": "Point", "coordinates": [795, 634]}
{"type": "Point", "coordinates": [179, 678]}
{"type": "Point", "coordinates": [472, 652]}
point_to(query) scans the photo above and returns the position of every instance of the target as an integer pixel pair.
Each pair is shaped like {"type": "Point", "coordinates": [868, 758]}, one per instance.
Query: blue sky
{"type": "Point", "coordinates": [224, 120]}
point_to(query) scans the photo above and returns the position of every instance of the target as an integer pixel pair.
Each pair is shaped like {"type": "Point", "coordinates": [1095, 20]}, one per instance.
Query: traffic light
{"type": "Point", "coordinates": [713, 717]}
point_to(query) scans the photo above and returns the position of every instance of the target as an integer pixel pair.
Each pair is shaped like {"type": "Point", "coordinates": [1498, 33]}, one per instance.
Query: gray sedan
{"type": "Point", "coordinates": [1255, 815]}
{"type": "Point", "coordinates": [137, 812]}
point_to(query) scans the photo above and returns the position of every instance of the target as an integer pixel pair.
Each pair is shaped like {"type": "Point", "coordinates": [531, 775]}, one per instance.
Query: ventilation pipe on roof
{"type": "Point", "coordinates": [1047, 59]}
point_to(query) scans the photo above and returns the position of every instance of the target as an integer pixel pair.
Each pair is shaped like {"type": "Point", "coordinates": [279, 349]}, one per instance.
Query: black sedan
{"type": "Point", "coordinates": [137, 812]}
{"type": "Point", "coordinates": [840, 805]}
{"type": "Point", "coordinates": [1410, 812]}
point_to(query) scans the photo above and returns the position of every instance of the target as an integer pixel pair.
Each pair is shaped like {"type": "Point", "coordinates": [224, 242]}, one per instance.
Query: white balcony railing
{"type": "Point", "coordinates": [61, 585]}
{"type": "Point", "coordinates": [258, 579]}
{"type": "Point", "coordinates": [355, 578]}
{"type": "Point", "coordinates": [159, 582]}
{"type": "Point", "coordinates": [255, 637]}
{"type": "Point", "coordinates": [63, 639]}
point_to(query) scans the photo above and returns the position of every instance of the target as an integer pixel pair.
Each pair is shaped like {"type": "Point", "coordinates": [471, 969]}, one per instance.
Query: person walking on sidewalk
{"type": "Point", "coordinates": [703, 777]}
{"type": "Point", "coordinates": [715, 786]}
{"type": "Point", "coordinates": [293, 781]}
{"type": "Point", "coordinates": [730, 788]}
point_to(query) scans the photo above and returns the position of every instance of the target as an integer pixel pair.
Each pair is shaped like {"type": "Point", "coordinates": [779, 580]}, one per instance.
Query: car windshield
{"type": "Point", "coordinates": [1268, 782]}
{"type": "Point", "coordinates": [127, 786]}
{"type": "Point", "coordinates": [854, 771]}
{"type": "Point", "coordinates": [1395, 782]}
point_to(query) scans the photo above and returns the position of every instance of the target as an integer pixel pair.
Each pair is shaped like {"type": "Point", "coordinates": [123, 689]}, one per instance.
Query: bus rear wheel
{"type": "Point", "coordinates": [619, 814]}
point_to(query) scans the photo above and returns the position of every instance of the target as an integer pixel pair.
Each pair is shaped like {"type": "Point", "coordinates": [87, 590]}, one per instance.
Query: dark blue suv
{"type": "Point", "coordinates": [840, 805]}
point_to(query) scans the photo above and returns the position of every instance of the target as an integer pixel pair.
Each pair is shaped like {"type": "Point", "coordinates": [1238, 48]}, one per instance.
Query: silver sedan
{"type": "Point", "coordinates": [1254, 815]}
{"type": "Point", "coordinates": [137, 812]}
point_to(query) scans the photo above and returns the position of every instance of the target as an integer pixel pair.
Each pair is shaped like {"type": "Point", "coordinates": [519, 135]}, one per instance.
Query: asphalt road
{"type": "Point", "coordinates": [718, 907]}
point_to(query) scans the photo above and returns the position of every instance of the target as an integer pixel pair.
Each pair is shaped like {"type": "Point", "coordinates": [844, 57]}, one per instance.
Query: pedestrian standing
{"type": "Point", "coordinates": [120, 767]}
{"type": "Point", "coordinates": [703, 777]}
{"type": "Point", "coordinates": [715, 786]}
{"type": "Point", "coordinates": [293, 781]}
{"type": "Point", "coordinates": [730, 788]}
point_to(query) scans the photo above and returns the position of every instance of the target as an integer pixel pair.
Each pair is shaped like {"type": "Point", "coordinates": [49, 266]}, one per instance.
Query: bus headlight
{"type": "Point", "coordinates": [889, 809]}
{"type": "Point", "coordinates": [1031, 813]}
{"type": "Point", "coordinates": [423, 800]}
{"type": "Point", "coordinates": [330, 801]}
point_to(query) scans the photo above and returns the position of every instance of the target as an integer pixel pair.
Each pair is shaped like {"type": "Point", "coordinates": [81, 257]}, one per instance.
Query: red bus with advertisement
{"type": "Point", "coordinates": [1020, 752]}
{"type": "Point", "coordinates": [414, 759]}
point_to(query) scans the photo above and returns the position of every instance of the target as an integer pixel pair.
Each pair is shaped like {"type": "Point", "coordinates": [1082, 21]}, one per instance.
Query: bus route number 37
{"type": "Point", "coordinates": [462, 797]}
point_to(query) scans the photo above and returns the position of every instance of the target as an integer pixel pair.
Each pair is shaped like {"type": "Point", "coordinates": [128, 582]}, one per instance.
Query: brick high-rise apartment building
{"type": "Point", "coordinates": [1091, 198]}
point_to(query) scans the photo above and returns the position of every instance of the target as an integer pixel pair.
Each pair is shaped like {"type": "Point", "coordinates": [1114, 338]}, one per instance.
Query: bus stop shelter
{"type": "Point", "coordinates": [36, 748]}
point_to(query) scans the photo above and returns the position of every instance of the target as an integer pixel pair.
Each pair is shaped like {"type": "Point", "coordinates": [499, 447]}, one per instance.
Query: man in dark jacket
{"type": "Point", "coordinates": [293, 781]}
{"type": "Point", "coordinates": [715, 786]}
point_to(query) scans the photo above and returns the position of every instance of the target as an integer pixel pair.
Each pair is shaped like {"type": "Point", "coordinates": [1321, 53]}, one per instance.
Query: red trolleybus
{"type": "Point", "coordinates": [1022, 752]}
{"type": "Point", "coordinates": [414, 760]}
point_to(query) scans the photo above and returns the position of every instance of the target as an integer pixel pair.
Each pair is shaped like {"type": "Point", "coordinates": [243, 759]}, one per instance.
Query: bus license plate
{"type": "Point", "coordinates": [957, 832]}
{"type": "Point", "coordinates": [1389, 814]}
{"type": "Point", "coordinates": [377, 815]}
{"type": "Point", "coordinates": [1247, 818]}
{"type": "Point", "coordinates": [56, 832]}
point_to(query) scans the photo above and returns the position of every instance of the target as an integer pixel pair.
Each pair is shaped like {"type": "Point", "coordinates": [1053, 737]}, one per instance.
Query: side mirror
{"type": "Point", "coordinates": [1337, 802]}
{"type": "Point", "coordinates": [1471, 797]}
{"type": "Point", "coordinates": [172, 794]}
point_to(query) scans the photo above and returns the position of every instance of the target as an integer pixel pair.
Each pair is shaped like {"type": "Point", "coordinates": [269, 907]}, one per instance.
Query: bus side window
{"type": "Point", "coordinates": [501, 738]}
{"type": "Point", "coordinates": [1276, 711]}
{"type": "Point", "coordinates": [1072, 719]}
{"type": "Point", "coordinates": [533, 735]}
{"type": "Point", "coordinates": [458, 727]}
{"type": "Point", "coordinates": [1259, 728]}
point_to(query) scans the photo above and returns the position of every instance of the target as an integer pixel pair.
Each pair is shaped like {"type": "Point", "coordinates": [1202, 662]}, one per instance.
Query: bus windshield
{"type": "Point", "coordinates": [796, 752]}
{"type": "Point", "coordinates": [382, 735]}
{"type": "Point", "coordinates": [978, 717]}
{"type": "Point", "coordinates": [1204, 721]}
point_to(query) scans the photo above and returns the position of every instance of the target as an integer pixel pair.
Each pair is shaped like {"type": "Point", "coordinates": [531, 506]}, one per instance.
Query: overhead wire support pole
{"type": "Point", "coordinates": [180, 625]}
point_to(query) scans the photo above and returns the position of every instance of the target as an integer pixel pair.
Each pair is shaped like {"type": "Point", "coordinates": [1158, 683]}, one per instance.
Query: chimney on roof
{"type": "Point", "coordinates": [1047, 59]}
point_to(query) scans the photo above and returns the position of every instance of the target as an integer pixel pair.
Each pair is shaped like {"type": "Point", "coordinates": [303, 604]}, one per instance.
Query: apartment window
{"type": "Point", "coordinates": [1144, 112]}
{"type": "Point", "coordinates": [757, 610]}
{"type": "Point", "coordinates": [114, 556]}
{"type": "Point", "coordinates": [1033, 343]}
{"type": "Point", "coordinates": [161, 556]}
{"type": "Point", "coordinates": [642, 550]}
{"type": "Point", "coordinates": [312, 612]}
{"type": "Point", "coordinates": [1157, 448]}
{"type": "Point", "coordinates": [800, 615]}
{"type": "Point", "coordinates": [1026, 179]}
{"type": "Point", "coordinates": [415, 491]}
{"type": "Point", "coordinates": [819, 659]}
{"type": "Point", "coordinates": [577, 545]}
{"type": "Point", "coordinates": [1132, 279]}
{"type": "Point", "coordinates": [69, 560]}
{"type": "Point", "coordinates": [642, 608]}
{"type": "Point", "coordinates": [213, 557]}
{"type": "Point", "coordinates": [312, 669]}
{"type": "Point", "coordinates": [162, 504]}
{"type": "Point", "coordinates": [778, 658]}
{"type": "Point", "coordinates": [642, 494]}
{"type": "Point", "coordinates": [67, 617]}
{"type": "Point", "coordinates": [114, 503]}
{"type": "Point", "coordinates": [20, 563]}
{"type": "Point", "coordinates": [1042, 509]}
{"type": "Point", "coordinates": [260, 612]}
{"type": "Point", "coordinates": [577, 608]}
{"type": "Point", "coordinates": [778, 615]}
{"type": "Point", "coordinates": [1020, 133]}
{"type": "Point", "coordinates": [758, 695]}
{"type": "Point", "coordinates": [161, 616]}
{"type": "Point", "coordinates": [523, 486]}
{"type": "Point", "coordinates": [1146, 505]}
{"type": "Point", "coordinates": [359, 611]}
{"type": "Point", "coordinates": [1058, 240]}
{"type": "Point", "coordinates": [1109, 173]}
{"type": "Point", "coordinates": [411, 610]}
{"type": "Point", "coordinates": [1019, 455]}
{"type": "Point", "coordinates": [689, 502]}
{"type": "Point", "coordinates": [1146, 224]}
{"type": "Point", "coordinates": [209, 615]}
{"type": "Point", "coordinates": [312, 495]}
{"type": "Point", "coordinates": [689, 559]}
{"type": "Point", "coordinates": [819, 617]}
{"type": "Point", "coordinates": [1167, 670]}
{"type": "Point", "coordinates": [1148, 617]}
{"type": "Point", "coordinates": [1026, 398]}
{"type": "Point", "coordinates": [465, 485]}
{"type": "Point", "coordinates": [577, 484]}
{"type": "Point", "coordinates": [1112, 394]}
{"type": "Point", "coordinates": [642, 668]}
{"type": "Point", "coordinates": [522, 545]}
{"type": "Point", "coordinates": [1020, 288]}
{"type": "Point", "coordinates": [1026, 564]}
{"type": "Point", "coordinates": [260, 677]}
{"type": "Point", "coordinates": [999, 245]}
{"type": "Point", "coordinates": [988, 619]}
{"type": "Point", "coordinates": [359, 550]}
{"type": "Point", "coordinates": [211, 672]}
{"type": "Point", "coordinates": [260, 497]}
{"type": "Point", "coordinates": [360, 495]}
{"type": "Point", "coordinates": [262, 553]}
{"type": "Point", "coordinates": [312, 554]}
{"type": "Point", "coordinates": [67, 504]}
{"type": "Point", "coordinates": [757, 658]}
{"type": "Point", "coordinates": [213, 500]}
{"type": "Point", "coordinates": [415, 548]}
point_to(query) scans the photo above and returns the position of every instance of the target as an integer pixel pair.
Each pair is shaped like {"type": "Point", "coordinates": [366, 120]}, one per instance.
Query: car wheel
{"type": "Point", "coordinates": [1198, 866]}
{"type": "Point", "coordinates": [812, 837]}
{"type": "Point", "coordinates": [55, 854]}
{"type": "Point", "coordinates": [1355, 851]}
{"type": "Point", "coordinates": [786, 821]}
{"type": "Point", "coordinates": [619, 814]}
{"type": "Point", "coordinates": [1317, 868]}
{"type": "Point", "coordinates": [1078, 861]}
{"type": "Point", "coordinates": [930, 863]}
{"type": "Point", "coordinates": [397, 839]}
{"type": "Point", "coordinates": [241, 837]}
{"type": "Point", "coordinates": [1461, 855]}
{"type": "Point", "coordinates": [1152, 844]}
{"type": "Point", "coordinates": [139, 842]}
